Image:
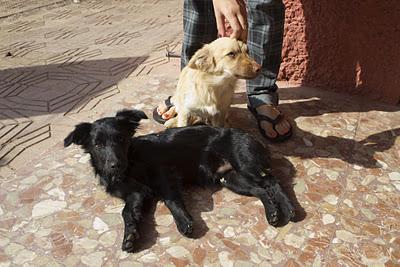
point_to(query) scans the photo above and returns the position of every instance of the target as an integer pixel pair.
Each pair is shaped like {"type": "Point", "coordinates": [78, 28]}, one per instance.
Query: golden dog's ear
{"type": "Point", "coordinates": [202, 60]}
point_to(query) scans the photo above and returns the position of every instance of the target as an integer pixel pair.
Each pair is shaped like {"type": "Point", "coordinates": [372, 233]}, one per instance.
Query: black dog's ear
{"type": "Point", "coordinates": [133, 115]}
{"type": "Point", "coordinates": [80, 135]}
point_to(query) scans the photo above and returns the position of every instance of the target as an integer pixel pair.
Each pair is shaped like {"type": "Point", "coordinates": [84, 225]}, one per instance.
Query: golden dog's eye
{"type": "Point", "coordinates": [231, 54]}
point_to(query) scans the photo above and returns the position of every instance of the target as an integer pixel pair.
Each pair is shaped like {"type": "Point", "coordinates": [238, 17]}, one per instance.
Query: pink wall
{"type": "Point", "coordinates": [351, 46]}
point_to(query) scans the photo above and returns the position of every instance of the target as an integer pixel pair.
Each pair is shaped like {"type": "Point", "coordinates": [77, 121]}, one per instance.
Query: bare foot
{"type": "Point", "coordinates": [166, 113]}
{"type": "Point", "coordinates": [282, 128]}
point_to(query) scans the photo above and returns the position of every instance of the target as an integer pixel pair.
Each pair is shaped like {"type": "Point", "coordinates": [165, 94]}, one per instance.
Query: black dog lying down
{"type": "Point", "coordinates": [154, 165]}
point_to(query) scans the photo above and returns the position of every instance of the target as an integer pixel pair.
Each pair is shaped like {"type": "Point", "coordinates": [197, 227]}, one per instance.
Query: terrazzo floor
{"type": "Point", "coordinates": [66, 63]}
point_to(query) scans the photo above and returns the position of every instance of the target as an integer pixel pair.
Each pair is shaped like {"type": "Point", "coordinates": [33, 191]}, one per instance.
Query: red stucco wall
{"type": "Point", "coordinates": [351, 46]}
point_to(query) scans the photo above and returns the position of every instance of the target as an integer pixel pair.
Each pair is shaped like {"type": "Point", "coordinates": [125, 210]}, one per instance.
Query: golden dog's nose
{"type": "Point", "coordinates": [256, 67]}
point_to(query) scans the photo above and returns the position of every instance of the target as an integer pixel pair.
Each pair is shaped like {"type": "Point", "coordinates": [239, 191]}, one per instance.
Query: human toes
{"type": "Point", "coordinates": [169, 114]}
{"type": "Point", "coordinates": [269, 130]}
{"type": "Point", "coordinates": [283, 127]}
{"type": "Point", "coordinates": [161, 109]}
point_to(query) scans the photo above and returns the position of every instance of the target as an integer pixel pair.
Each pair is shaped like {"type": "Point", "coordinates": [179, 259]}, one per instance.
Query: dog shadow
{"type": "Point", "coordinates": [284, 170]}
{"type": "Point", "coordinates": [200, 199]}
{"type": "Point", "coordinates": [197, 199]}
{"type": "Point", "coordinates": [358, 152]}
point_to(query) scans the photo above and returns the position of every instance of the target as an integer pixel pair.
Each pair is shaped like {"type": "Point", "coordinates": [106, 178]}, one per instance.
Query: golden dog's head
{"type": "Point", "coordinates": [225, 56]}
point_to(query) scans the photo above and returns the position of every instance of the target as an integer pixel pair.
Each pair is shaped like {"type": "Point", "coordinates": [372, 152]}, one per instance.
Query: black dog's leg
{"type": "Point", "coordinates": [246, 186]}
{"type": "Point", "coordinates": [212, 167]}
{"type": "Point", "coordinates": [132, 213]}
{"type": "Point", "coordinates": [271, 185]}
{"type": "Point", "coordinates": [183, 220]}
{"type": "Point", "coordinates": [204, 172]}
{"type": "Point", "coordinates": [171, 195]}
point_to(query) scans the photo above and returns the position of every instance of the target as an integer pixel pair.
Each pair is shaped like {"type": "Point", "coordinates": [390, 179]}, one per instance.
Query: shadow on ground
{"type": "Point", "coordinates": [199, 199]}
{"type": "Point", "coordinates": [33, 98]}
{"type": "Point", "coordinates": [64, 88]}
{"type": "Point", "coordinates": [346, 149]}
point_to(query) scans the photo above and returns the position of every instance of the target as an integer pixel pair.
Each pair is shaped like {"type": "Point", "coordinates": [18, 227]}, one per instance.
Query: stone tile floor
{"type": "Point", "coordinates": [66, 63]}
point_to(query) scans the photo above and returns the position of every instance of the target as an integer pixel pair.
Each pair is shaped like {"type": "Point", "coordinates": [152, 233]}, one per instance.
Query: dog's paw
{"type": "Point", "coordinates": [285, 206]}
{"type": "Point", "coordinates": [171, 123]}
{"type": "Point", "coordinates": [185, 227]}
{"type": "Point", "coordinates": [272, 217]}
{"type": "Point", "coordinates": [291, 215]}
{"type": "Point", "coordinates": [287, 210]}
{"type": "Point", "coordinates": [128, 243]}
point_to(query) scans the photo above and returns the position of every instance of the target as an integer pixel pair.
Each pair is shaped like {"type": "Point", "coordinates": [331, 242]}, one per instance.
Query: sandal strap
{"type": "Point", "coordinates": [274, 122]}
{"type": "Point", "coordinates": [168, 102]}
{"type": "Point", "coordinates": [261, 117]}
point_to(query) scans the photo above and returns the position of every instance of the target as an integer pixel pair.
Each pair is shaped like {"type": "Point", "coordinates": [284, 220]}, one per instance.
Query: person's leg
{"type": "Point", "coordinates": [199, 28]}
{"type": "Point", "coordinates": [266, 23]}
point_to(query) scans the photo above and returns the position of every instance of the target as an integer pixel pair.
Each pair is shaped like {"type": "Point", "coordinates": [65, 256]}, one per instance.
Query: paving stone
{"type": "Point", "coordinates": [47, 207]}
{"type": "Point", "coordinates": [93, 260]}
{"type": "Point", "coordinates": [331, 199]}
{"type": "Point", "coordinates": [108, 239]}
{"type": "Point", "coordinates": [178, 251]}
{"type": "Point", "coordinates": [149, 258]}
{"type": "Point", "coordinates": [327, 219]}
{"type": "Point", "coordinates": [99, 225]}
{"type": "Point", "coordinates": [294, 240]}
{"type": "Point", "coordinates": [24, 256]}
{"type": "Point", "coordinates": [346, 236]}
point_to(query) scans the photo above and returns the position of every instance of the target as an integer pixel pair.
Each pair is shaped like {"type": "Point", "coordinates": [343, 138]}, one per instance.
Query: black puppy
{"type": "Point", "coordinates": [155, 165]}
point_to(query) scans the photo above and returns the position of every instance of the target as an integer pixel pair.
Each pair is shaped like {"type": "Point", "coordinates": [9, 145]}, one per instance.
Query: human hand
{"type": "Point", "coordinates": [234, 12]}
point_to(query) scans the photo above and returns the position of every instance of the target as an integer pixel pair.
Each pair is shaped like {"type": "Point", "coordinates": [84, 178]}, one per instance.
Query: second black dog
{"type": "Point", "coordinates": [155, 165]}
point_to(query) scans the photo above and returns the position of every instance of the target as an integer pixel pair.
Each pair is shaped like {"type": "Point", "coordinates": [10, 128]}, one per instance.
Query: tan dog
{"type": "Point", "coordinates": [206, 85]}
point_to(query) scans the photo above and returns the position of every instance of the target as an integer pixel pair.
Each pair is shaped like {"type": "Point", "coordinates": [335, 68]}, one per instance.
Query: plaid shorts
{"type": "Point", "coordinates": [266, 20]}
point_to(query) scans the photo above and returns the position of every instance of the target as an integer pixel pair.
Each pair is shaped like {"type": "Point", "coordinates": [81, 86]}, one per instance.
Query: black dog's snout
{"type": "Point", "coordinates": [114, 166]}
